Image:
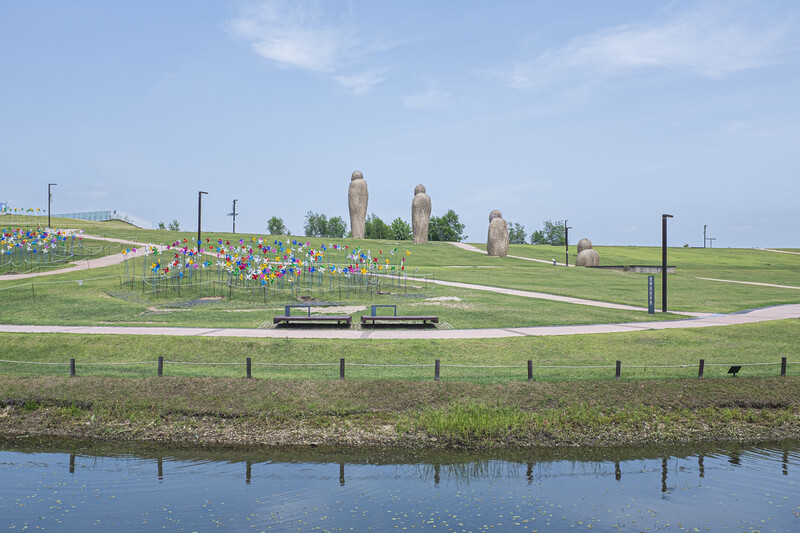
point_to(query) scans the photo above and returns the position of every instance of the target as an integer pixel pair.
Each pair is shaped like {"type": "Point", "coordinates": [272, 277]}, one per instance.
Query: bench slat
{"type": "Point", "coordinates": [401, 318]}
{"type": "Point", "coordinates": [347, 319]}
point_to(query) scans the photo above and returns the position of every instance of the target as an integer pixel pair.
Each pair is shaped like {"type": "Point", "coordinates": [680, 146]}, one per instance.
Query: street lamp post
{"type": "Point", "coordinates": [49, 201]}
{"type": "Point", "coordinates": [233, 214]}
{"type": "Point", "coordinates": [566, 242]}
{"type": "Point", "coordinates": [199, 215]}
{"type": "Point", "coordinates": [664, 218]}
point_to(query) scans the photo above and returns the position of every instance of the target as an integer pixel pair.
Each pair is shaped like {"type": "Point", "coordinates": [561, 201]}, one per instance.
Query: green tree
{"type": "Point", "coordinates": [446, 228]}
{"type": "Point", "coordinates": [316, 224]}
{"type": "Point", "coordinates": [175, 225]}
{"type": "Point", "coordinates": [336, 227]}
{"type": "Point", "coordinates": [400, 229]}
{"type": "Point", "coordinates": [516, 234]}
{"type": "Point", "coordinates": [537, 237]}
{"type": "Point", "coordinates": [554, 232]}
{"type": "Point", "coordinates": [161, 225]}
{"type": "Point", "coordinates": [551, 233]}
{"type": "Point", "coordinates": [375, 228]}
{"type": "Point", "coordinates": [275, 226]}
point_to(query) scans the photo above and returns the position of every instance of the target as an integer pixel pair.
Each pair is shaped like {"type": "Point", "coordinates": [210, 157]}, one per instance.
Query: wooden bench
{"type": "Point", "coordinates": [374, 317]}
{"type": "Point", "coordinates": [287, 317]}
{"type": "Point", "coordinates": [399, 318]}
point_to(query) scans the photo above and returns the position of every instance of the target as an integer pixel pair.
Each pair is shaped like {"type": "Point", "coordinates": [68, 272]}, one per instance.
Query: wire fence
{"type": "Point", "coordinates": [412, 371]}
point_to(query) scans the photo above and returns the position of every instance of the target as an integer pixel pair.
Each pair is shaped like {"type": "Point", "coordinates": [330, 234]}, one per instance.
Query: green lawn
{"type": "Point", "coordinates": [644, 355]}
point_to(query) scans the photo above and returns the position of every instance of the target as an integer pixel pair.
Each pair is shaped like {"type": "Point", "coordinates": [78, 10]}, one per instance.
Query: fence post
{"type": "Point", "coordinates": [783, 367]}
{"type": "Point", "coordinates": [249, 368]}
{"type": "Point", "coordinates": [530, 370]}
{"type": "Point", "coordinates": [700, 371]}
{"type": "Point", "coordinates": [160, 365]}
{"type": "Point", "coordinates": [72, 367]}
{"type": "Point", "coordinates": [436, 371]}
{"type": "Point", "coordinates": [619, 370]}
{"type": "Point", "coordinates": [341, 368]}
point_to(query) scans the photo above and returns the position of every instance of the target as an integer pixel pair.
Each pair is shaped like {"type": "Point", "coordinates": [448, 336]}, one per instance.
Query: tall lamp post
{"type": "Point", "coordinates": [664, 218]}
{"type": "Point", "coordinates": [566, 242]}
{"type": "Point", "coordinates": [233, 214]}
{"type": "Point", "coordinates": [199, 215]}
{"type": "Point", "coordinates": [49, 201]}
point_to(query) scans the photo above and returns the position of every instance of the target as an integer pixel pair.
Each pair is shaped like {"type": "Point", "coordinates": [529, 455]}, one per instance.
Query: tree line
{"type": "Point", "coordinates": [443, 228]}
{"type": "Point", "coordinates": [440, 228]}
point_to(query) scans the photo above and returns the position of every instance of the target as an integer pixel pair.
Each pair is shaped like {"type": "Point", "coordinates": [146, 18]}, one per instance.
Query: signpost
{"type": "Point", "coordinates": [651, 295]}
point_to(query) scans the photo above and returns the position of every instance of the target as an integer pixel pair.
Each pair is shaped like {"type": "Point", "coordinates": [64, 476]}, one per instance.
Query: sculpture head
{"type": "Point", "coordinates": [495, 214]}
{"type": "Point", "coordinates": [357, 175]}
{"type": "Point", "coordinates": [419, 189]}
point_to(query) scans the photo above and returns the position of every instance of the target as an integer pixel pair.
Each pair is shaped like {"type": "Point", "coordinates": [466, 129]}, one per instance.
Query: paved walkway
{"type": "Point", "coordinates": [470, 248]}
{"type": "Point", "coordinates": [746, 317]}
{"type": "Point", "coordinates": [778, 251]}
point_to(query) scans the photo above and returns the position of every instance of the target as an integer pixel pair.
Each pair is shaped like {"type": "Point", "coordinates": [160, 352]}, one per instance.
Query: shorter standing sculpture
{"type": "Point", "coordinates": [497, 241]}
{"type": "Point", "coordinates": [420, 214]}
{"type": "Point", "coordinates": [587, 256]}
{"type": "Point", "coordinates": [357, 196]}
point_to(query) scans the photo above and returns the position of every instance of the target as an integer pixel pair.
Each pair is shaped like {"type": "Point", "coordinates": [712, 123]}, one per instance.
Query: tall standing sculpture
{"type": "Point", "coordinates": [357, 196]}
{"type": "Point", "coordinates": [497, 241]}
{"type": "Point", "coordinates": [420, 214]}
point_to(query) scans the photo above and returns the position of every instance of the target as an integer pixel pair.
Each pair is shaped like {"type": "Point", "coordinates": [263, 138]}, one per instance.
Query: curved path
{"type": "Point", "coordinates": [88, 264]}
{"type": "Point", "coordinates": [700, 319]}
{"type": "Point", "coordinates": [744, 317]}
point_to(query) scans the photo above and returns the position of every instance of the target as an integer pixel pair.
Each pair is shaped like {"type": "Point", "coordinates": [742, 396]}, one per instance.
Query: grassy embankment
{"type": "Point", "coordinates": [400, 405]}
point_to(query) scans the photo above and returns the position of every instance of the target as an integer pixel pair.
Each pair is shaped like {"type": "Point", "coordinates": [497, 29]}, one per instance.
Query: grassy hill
{"type": "Point", "coordinates": [389, 397]}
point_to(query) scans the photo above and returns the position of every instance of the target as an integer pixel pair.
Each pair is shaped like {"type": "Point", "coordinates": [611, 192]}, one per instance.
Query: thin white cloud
{"type": "Point", "coordinates": [295, 34]}
{"type": "Point", "coordinates": [431, 98]}
{"type": "Point", "coordinates": [359, 83]}
{"type": "Point", "coordinates": [711, 42]}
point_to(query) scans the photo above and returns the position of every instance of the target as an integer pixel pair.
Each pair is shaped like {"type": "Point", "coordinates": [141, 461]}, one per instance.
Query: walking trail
{"type": "Point", "coordinates": [698, 320]}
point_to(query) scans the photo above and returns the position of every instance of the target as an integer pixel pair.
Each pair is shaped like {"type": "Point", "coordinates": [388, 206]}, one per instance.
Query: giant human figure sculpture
{"type": "Point", "coordinates": [587, 255]}
{"type": "Point", "coordinates": [497, 241]}
{"type": "Point", "coordinates": [420, 214]}
{"type": "Point", "coordinates": [357, 197]}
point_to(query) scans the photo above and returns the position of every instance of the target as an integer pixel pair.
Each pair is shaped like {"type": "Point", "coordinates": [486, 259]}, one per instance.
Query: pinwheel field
{"type": "Point", "coordinates": [202, 311]}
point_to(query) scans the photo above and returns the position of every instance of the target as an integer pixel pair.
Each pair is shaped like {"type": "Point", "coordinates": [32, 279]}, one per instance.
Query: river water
{"type": "Point", "coordinates": [86, 487]}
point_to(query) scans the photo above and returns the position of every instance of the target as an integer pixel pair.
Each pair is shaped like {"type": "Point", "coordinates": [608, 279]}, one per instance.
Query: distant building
{"type": "Point", "coordinates": [103, 216]}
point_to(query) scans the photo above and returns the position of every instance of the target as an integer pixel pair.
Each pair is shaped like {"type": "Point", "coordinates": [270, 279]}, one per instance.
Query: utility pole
{"type": "Point", "coordinates": [233, 214]}
{"type": "Point", "coordinates": [711, 241]}
{"type": "Point", "coordinates": [704, 235]}
{"type": "Point", "coordinates": [49, 201]}
{"type": "Point", "coordinates": [566, 242]}
{"type": "Point", "coordinates": [199, 215]}
{"type": "Point", "coordinates": [664, 218]}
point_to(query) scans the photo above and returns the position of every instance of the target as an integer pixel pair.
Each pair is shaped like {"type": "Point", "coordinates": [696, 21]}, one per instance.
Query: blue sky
{"type": "Point", "coordinates": [604, 113]}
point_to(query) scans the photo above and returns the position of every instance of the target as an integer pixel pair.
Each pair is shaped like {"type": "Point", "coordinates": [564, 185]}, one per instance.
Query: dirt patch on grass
{"type": "Point", "coordinates": [162, 311]}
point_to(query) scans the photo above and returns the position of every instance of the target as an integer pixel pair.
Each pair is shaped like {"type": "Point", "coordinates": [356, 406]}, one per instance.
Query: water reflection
{"type": "Point", "coordinates": [85, 487]}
